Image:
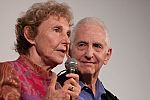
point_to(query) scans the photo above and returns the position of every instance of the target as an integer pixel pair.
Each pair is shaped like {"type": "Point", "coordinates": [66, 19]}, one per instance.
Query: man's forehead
{"type": "Point", "coordinates": [90, 39]}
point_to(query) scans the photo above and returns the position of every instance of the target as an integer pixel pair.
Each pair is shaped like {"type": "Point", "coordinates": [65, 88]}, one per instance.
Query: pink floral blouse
{"type": "Point", "coordinates": [23, 80]}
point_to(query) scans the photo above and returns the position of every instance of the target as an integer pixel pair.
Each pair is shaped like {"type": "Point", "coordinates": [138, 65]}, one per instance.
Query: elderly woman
{"type": "Point", "coordinates": [42, 36]}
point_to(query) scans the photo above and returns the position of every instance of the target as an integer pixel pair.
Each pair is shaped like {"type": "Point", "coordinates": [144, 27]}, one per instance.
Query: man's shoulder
{"type": "Point", "coordinates": [109, 95]}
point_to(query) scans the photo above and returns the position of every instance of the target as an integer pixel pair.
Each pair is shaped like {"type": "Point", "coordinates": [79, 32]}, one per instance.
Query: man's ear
{"type": "Point", "coordinates": [108, 55]}
{"type": "Point", "coordinates": [27, 35]}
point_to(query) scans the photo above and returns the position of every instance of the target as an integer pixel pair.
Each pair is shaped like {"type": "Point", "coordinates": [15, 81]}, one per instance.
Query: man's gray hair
{"type": "Point", "coordinates": [90, 20]}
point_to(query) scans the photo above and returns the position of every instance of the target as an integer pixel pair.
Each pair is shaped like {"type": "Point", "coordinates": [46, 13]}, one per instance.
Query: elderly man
{"type": "Point", "coordinates": [90, 47]}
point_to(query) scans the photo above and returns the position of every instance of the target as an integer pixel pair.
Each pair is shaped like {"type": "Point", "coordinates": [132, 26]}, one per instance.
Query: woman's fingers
{"type": "Point", "coordinates": [72, 75]}
{"type": "Point", "coordinates": [72, 85]}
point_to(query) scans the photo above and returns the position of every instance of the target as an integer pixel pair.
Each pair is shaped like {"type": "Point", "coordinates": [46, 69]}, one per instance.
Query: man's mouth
{"type": "Point", "coordinates": [88, 62]}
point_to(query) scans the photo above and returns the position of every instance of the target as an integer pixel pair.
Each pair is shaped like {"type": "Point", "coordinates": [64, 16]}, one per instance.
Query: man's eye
{"type": "Point", "coordinates": [81, 44]}
{"type": "Point", "coordinates": [97, 45]}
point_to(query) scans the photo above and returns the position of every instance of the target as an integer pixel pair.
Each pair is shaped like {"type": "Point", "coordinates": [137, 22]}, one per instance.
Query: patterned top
{"type": "Point", "coordinates": [23, 80]}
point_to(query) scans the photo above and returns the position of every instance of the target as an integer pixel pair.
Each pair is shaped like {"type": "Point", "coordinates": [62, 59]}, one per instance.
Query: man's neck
{"type": "Point", "coordinates": [89, 81]}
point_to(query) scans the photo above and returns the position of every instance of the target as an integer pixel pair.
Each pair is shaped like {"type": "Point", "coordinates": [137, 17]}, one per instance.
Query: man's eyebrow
{"type": "Point", "coordinates": [97, 43]}
{"type": "Point", "coordinates": [82, 42]}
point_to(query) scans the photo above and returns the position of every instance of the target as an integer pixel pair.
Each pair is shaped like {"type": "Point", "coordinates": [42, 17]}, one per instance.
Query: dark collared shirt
{"type": "Point", "coordinates": [87, 94]}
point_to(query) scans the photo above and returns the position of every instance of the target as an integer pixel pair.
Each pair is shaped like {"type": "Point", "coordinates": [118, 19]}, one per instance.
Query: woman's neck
{"type": "Point", "coordinates": [36, 59]}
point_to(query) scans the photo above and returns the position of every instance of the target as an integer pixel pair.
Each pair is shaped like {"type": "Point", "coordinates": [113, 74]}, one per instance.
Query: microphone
{"type": "Point", "coordinates": [71, 65]}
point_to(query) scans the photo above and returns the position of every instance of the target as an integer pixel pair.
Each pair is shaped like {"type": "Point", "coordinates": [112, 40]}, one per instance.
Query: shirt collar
{"type": "Point", "coordinates": [99, 87]}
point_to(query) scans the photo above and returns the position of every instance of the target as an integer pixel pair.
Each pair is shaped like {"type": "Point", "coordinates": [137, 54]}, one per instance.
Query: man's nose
{"type": "Point", "coordinates": [89, 53]}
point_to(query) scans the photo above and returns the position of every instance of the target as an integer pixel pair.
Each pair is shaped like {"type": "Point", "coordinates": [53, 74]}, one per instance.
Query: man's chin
{"type": "Point", "coordinates": [87, 70]}
{"type": "Point", "coordinates": [87, 73]}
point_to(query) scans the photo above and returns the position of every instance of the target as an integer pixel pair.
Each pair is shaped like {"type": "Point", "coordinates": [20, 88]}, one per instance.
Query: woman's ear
{"type": "Point", "coordinates": [108, 55]}
{"type": "Point", "coordinates": [27, 35]}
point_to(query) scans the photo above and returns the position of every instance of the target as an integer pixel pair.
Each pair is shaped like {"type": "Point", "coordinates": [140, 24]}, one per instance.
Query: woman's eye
{"type": "Point", "coordinates": [68, 33]}
{"type": "Point", "coordinates": [57, 29]}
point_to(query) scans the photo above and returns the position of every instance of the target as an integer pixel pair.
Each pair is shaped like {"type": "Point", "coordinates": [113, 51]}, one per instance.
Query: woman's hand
{"type": "Point", "coordinates": [72, 85]}
{"type": "Point", "coordinates": [54, 93]}
{"type": "Point", "coordinates": [70, 89]}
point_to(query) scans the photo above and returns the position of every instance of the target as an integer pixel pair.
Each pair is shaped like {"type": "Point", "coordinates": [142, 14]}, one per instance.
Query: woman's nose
{"type": "Point", "coordinates": [66, 39]}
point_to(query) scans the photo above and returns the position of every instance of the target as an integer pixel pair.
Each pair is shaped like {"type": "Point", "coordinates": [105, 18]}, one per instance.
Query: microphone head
{"type": "Point", "coordinates": [71, 64]}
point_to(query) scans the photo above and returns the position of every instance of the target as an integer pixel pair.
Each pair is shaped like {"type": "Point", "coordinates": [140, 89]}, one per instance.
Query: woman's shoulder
{"type": "Point", "coordinates": [5, 66]}
{"type": "Point", "coordinates": [9, 66]}
{"type": "Point", "coordinates": [9, 81]}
